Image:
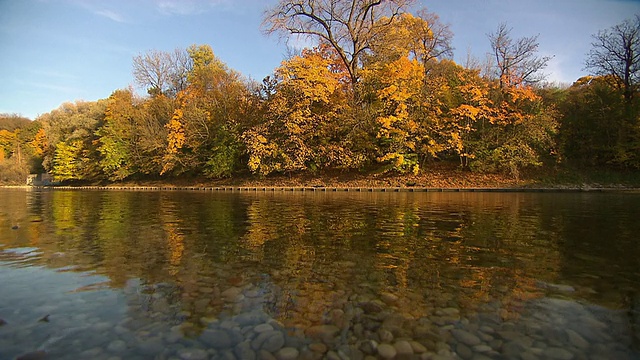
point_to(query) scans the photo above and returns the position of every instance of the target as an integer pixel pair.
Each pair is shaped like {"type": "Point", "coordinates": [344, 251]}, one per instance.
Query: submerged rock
{"type": "Point", "coordinates": [34, 355]}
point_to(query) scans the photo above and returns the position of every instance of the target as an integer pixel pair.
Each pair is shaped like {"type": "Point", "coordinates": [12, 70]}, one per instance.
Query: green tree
{"type": "Point", "coordinates": [117, 137]}
{"type": "Point", "coordinates": [74, 125]}
{"type": "Point", "coordinates": [204, 132]}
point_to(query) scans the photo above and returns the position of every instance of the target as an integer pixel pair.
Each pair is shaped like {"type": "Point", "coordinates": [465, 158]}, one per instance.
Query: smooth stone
{"type": "Point", "coordinates": [217, 339]}
{"type": "Point", "coordinates": [151, 346]}
{"type": "Point", "coordinates": [403, 348]}
{"type": "Point", "coordinates": [193, 354]}
{"type": "Point", "coordinates": [287, 353]}
{"type": "Point", "coordinates": [34, 355]}
{"type": "Point", "coordinates": [372, 307]}
{"type": "Point", "coordinates": [325, 333]}
{"type": "Point", "coordinates": [576, 339]}
{"type": "Point", "coordinates": [385, 335]}
{"type": "Point", "coordinates": [386, 351]}
{"type": "Point", "coordinates": [557, 353]}
{"type": "Point", "coordinates": [270, 341]}
{"type": "Point", "coordinates": [251, 318]}
{"type": "Point", "coordinates": [450, 311]}
{"type": "Point", "coordinates": [463, 351]}
{"type": "Point", "coordinates": [117, 346]}
{"type": "Point", "coordinates": [318, 347]}
{"type": "Point", "coordinates": [244, 351]}
{"type": "Point", "coordinates": [369, 347]}
{"type": "Point", "coordinates": [482, 348]}
{"type": "Point", "coordinates": [465, 337]}
{"type": "Point", "coordinates": [265, 355]}
{"type": "Point", "coordinates": [512, 349]}
{"type": "Point", "coordinates": [231, 293]}
{"type": "Point", "coordinates": [262, 328]}
{"type": "Point", "coordinates": [388, 298]}
{"type": "Point", "coordinates": [417, 347]}
{"type": "Point", "coordinates": [528, 356]}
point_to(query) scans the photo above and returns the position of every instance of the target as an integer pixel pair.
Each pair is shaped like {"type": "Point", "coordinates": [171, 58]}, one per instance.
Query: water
{"type": "Point", "coordinates": [205, 275]}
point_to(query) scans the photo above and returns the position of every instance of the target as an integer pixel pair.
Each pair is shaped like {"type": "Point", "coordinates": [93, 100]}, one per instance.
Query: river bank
{"type": "Point", "coordinates": [442, 178]}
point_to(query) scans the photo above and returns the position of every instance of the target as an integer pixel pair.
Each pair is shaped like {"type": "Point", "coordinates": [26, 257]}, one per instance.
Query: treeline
{"type": "Point", "coordinates": [379, 91]}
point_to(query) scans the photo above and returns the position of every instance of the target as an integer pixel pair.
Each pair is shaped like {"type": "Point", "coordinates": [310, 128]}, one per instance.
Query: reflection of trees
{"type": "Point", "coordinates": [320, 252]}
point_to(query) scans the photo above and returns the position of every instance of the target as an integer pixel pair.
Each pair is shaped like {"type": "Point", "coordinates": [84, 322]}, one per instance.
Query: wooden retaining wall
{"type": "Point", "coordinates": [326, 189]}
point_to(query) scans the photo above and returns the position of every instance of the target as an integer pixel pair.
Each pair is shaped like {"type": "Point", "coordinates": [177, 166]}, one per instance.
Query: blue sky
{"type": "Point", "coordinates": [53, 51]}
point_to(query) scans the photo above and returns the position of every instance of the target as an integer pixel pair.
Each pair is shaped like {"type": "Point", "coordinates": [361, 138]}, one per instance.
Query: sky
{"type": "Point", "coordinates": [55, 51]}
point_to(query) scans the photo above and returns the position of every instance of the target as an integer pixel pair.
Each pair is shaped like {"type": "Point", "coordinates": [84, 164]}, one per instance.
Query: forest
{"type": "Point", "coordinates": [378, 93]}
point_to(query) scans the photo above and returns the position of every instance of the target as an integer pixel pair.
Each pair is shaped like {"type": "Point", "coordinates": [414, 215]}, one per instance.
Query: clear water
{"type": "Point", "coordinates": [205, 275]}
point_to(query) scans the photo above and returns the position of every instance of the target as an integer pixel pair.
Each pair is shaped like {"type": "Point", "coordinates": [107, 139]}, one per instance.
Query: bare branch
{"type": "Point", "coordinates": [347, 25]}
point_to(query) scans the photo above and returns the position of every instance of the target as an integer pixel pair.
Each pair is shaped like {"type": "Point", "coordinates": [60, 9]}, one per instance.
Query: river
{"type": "Point", "coordinates": [93, 274]}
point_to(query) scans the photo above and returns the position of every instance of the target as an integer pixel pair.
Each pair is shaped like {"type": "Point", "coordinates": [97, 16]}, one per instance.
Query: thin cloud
{"type": "Point", "coordinates": [110, 15]}
{"type": "Point", "coordinates": [187, 7]}
{"type": "Point", "coordinates": [49, 86]}
{"type": "Point", "coordinates": [106, 13]}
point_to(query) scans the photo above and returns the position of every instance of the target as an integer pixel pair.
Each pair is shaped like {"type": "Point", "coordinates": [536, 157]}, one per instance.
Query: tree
{"type": "Point", "coordinates": [203, 135]}
{"type": "Point", "coordinates": [595, 130]}
{"type": "Point", "coordinates": [423, 37]}
{"type": "Point", "coordinates": [73, 124]}
{"type": "Point", "coordinates": [398, 129]}
{"type": "Point", "coordinates": [162, 72]}
{"type": "Point", "coordinates": [117, 136]}
{"type": "Point", "coordinates": [616, 51]}
{"type": "Point", "coordinates": [304, 127]}
{"type": "Point", "coordinates": [516, 60]}
{"type": "Point", "coordinates": [346, 25]}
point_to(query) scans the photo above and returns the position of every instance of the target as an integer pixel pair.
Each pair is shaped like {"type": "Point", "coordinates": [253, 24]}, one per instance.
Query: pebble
{"type": "Point", "coordinates": [403, 348]}
{"type": "Point", "coordinates": [217, 339]}
{"type": "Point", "coordinates": [152, 346]}
{"type": "Point", "coordinates": [117, 346]}
{"type": "Point", "coordinates": [557, 353]}
{"type": "Point", "coordinates": [34, 355]}
{"type": "Point", "coordinates": [417, 347]}
{"type": "Point", "coordinates": [463, 351]}
{"type": "Point", "coordinates": [388, 298]}
{"type": "Point", "coordinates": [386, 351]}
{"type": "Point", "coordinates": [231, 294]}
{"type": "Point", "coordinates": [262, 328]}
{"type": "Point", "coordinates": [244, 351]}
{"type": "Point", "coordinates": [270, 341]}
{"type": "Point", "coordinates": [193, 354]}
{"type": "Point", "coordinates": [325, 333]}
{"type": "Point", "coordinates": [576, 339]}
{"type": "Point", "coordinates": [465, 337]}
{"type": "Point", "coordinates": [287, 353]}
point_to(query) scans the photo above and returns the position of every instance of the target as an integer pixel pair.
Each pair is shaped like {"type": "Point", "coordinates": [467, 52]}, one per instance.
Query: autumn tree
{"type": "Point", "coordinates": [422, 37]}
{"type": "Point", "coordinates": [162, 72]}
{"type": "Point", "coordinates": [516, 61]}
{"type": "Point", "coordinates": [348, 26]}
{"type": "Point", "coordinates": [616, 52]}
{"type": "Point", "coordinates": [71, 151]}
{"type": "Point", "coordinates": [118, 136]}
{"type": "Point", "coordinates": [305, 127]}
{"type": "Point", "coordinates": [204, 131]}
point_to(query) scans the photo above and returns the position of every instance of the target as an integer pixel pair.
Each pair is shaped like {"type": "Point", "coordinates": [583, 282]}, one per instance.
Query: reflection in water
{"type": "Point", "coordinates": [195, 275]}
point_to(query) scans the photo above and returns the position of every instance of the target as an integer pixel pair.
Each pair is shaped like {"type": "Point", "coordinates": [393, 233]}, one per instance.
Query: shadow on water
{"type": "Point", "coordinates": [198, 275]}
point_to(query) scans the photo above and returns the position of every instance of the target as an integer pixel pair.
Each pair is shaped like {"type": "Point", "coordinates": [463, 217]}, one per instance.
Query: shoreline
{"type": "Point", "coordinates": [312, 189]}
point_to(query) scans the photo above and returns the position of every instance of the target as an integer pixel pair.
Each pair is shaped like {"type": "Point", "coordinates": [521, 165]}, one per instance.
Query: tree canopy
{"type": "Point", "coordinates": [379, 91]}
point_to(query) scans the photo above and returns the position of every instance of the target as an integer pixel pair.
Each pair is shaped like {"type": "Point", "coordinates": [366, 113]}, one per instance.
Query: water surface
{"type": "Point", "coordinates": [199, 275]}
